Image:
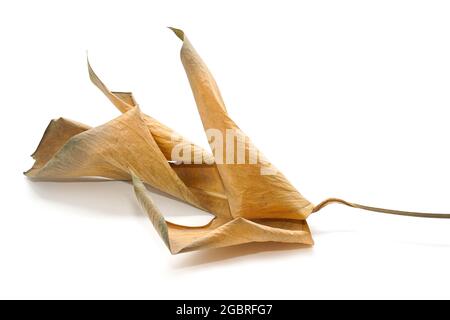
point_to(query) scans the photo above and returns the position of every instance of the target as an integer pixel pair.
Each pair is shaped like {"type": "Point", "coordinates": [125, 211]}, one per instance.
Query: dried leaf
{"type": "Point", "coordinates": [250, 199]}
{"type": "Point", "coordinates": [138, 146]}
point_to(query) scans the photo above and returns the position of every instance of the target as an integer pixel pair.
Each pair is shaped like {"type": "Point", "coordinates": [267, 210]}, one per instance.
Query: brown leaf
{"type": "Point", "coordinates": [138, 147]}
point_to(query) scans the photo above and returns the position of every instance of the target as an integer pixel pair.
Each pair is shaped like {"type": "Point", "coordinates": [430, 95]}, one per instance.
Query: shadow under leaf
{"type": "Point", "coordinates": [205, 257]}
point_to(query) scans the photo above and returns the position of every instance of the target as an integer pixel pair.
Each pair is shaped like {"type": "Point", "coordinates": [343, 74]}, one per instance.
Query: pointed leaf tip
{"type": "Point", "coordinates": [178, 32]}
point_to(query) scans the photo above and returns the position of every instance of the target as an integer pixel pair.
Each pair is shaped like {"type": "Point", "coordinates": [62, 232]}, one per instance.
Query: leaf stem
{"type": "Point", "coordinates": [382, 210]}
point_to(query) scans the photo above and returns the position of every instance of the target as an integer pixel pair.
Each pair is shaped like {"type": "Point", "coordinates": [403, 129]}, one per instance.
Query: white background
{"type": "Point", "coordinates": [348, 98]}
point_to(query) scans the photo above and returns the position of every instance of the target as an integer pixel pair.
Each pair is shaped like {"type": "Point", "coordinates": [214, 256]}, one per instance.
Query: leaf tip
{"type": "Point", "coordinates": [178, 32]}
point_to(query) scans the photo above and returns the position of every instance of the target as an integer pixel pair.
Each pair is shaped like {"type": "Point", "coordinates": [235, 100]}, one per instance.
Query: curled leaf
{"type": "Point", "coordinates": [138, 147]}
{"type": "Point", "coordinates": [250, 199]}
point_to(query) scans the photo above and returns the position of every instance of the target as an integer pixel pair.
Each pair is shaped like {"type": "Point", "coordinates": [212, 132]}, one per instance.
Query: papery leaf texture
{"type": "Point", "coordinates": [250, 199]}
